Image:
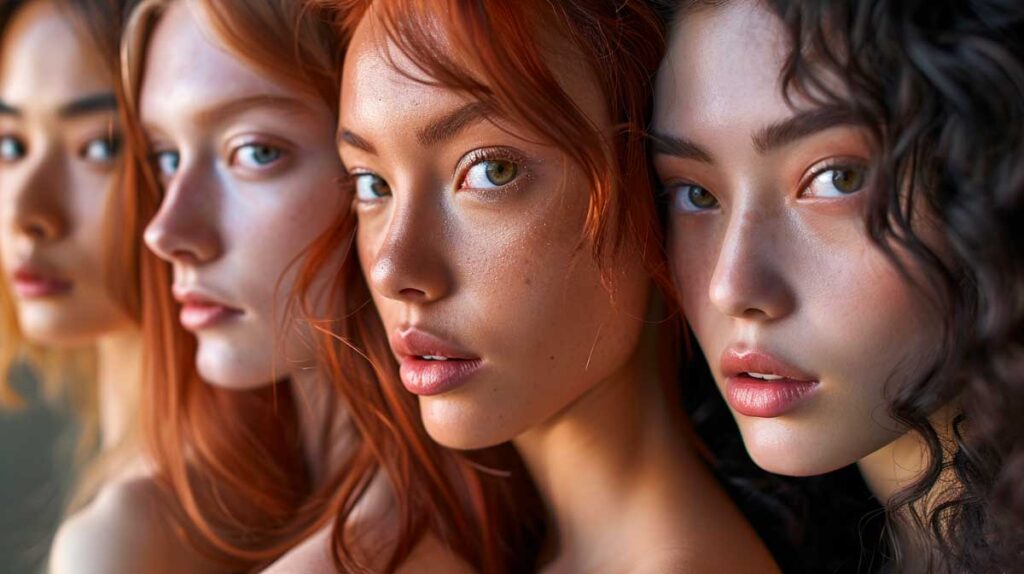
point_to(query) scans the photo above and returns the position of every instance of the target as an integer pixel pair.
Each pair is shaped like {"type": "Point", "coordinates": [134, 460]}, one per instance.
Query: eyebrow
{"type": "Point", "coordinates": [91, 104]}
{"type": "Point", "coordinates": [438, 131]}
{"type": "Point", "coordinates": [221, 112]}
{"type": "Point", "coordinates": [802, 125]}
{"type": "Point", "coordinates": [8, 110]}
{"type": "Point", "coordinates": [766, 139]}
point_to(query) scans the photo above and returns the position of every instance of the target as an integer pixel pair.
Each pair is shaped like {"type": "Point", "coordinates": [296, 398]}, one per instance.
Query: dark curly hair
{"type": "Point", "coordinates": [940, 87]}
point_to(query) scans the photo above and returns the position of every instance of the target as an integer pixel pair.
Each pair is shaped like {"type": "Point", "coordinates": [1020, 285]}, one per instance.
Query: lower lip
{"type": "Point", "coordinates": [426, 378]}
{"type": "Point", "coordinates": [38, 288]}
{"type": "Point", "coordinates": [766, 399]}
{"type": "Point", "coordinates": [195, 316]}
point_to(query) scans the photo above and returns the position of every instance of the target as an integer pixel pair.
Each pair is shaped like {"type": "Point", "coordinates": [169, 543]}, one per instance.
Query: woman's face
{"type": "Point", "coordinates": [471, 238]}
{"type": "Point", "coordinates": [250, 177]}
{"type": "Point", "coordinates": [802, 319]}
{"type": "Point", "coordinates": [59, 139]}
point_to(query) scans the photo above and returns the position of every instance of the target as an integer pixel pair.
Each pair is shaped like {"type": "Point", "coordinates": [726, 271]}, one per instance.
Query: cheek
{"type": "Point", "coordinates": [693, 253]}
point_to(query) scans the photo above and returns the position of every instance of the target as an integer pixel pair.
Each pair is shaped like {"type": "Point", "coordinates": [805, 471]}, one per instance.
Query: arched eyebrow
{"type": "Point", "coordinates": [766, 139]}
{"type": "Point", "coordinates": [436, 132]}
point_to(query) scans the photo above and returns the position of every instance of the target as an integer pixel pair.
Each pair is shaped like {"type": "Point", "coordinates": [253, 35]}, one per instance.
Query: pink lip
{"type": "Point", "coordinates": [426, 377]}
{"type": "Point", "coordinates": [199, 312]}
{"type": "Point", "coordinates": [32, 284]}
{"type": "Point", "coordinates": [758, 397]}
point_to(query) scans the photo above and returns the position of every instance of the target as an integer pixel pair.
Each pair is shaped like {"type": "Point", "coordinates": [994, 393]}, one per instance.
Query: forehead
{"type": "Point", "coordinates": [45, 60]}
{"type": "Point", "coordinates": [722, 67]}
{"type": "Point", "coordinates": [189, 70]}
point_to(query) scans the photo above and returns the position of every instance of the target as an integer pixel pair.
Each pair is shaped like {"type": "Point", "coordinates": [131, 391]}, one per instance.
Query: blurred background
{"type": "Point", "coordinates": [36, 463]}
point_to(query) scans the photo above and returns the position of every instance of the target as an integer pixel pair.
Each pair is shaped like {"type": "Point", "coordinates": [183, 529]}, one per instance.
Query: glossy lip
{"type": "Point", "coordinates": [426, 377]}
{"type": "Point", "coordinates": [33, 283]}
{"type": "Point", "coordinates": [200, 311]}
{"type": "Point", "coordinates": [758, 397]}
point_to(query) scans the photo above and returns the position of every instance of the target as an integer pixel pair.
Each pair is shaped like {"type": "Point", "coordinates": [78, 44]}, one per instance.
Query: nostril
{"type": "Point", "coordinates": [412, 293]}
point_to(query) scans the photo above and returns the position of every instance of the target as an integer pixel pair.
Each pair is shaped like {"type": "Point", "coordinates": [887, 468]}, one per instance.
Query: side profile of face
{"type": "Point", "coordinates": [59, 140]}
{"type": "Point", "coordinates": [471, 238]}
{"type": "Point", "coordinates": [250, 177]}
{"type": "Point", "coordinates": [804, 322]}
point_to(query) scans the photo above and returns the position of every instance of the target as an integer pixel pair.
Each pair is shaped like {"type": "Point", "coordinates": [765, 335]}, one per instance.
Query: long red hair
{"type": "Point", "coordinates": [491, 51]}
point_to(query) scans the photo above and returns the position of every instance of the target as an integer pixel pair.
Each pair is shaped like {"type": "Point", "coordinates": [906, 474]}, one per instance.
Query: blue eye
{"type": "Point", "coordinates": [836, 181]}
{"type": "Point", "coordinates": [11, 149]}
{"type": "Point", "coordinates": [100, 150]}
{"type": "Point", "coordinates": [166, 163]}
{"type": "Point", "coordinates": [689, 198]}
{"type": "Point", "coordinates": [490, 174]}
{"type": "Point", "coordinates": [257, 156]}
{"type": "Point", "coordinates": [370, 187]}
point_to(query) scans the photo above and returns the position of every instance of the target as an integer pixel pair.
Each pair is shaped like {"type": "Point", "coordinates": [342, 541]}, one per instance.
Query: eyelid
{"type": "Point", "coordinates": [494, 153]}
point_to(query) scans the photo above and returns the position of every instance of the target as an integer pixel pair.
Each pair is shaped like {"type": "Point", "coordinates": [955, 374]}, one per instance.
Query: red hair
{"type": "Point", "coordinates": [622, 43]}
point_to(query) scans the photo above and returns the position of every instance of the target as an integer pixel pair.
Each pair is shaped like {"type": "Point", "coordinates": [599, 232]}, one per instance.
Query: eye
{"type": "Point", "coordinates": [490, 174]}
{"type": "Point", "coordinates": [100, 150]}
{"type": "Point", "coordinates": [11, 149]}
{"type": "Point", "coordinates": [836, 181]}
{"type": "Point", "coordinates": [256, 156]}
{"type": "Point", "coordinates": [166, 163]}
{"type": "Point", "coordinates": [689, 198]}
{"type": "Point", "coordinates": [370, 187]}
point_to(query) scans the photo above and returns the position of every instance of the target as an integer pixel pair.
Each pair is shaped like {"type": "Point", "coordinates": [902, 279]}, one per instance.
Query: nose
{"type": "Point", "coordinates": [749, 280]}
{"type": "Point", "coordinates": [185, 229]}
{"type": "Point", "coordinates": [410, 263]}
{"type": "Point", "coordinates": [39, 199]}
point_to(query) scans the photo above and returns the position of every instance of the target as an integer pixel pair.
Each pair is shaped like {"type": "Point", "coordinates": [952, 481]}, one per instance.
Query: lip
{"type": "Point", "coordinates": [761, 398]}
{"type": "Point", "coordinates": [200, 311]}
{"type": "Point", "coordinates": [31, 283]}
{"type": "Point", "coordinates": [426, 377]}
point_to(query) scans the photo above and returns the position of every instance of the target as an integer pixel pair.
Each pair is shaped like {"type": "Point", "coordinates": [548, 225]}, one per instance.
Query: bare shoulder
{"type": "Point", "coordinates": [687, 561]}
{"type": "Point", "coordinates": [126, 528]}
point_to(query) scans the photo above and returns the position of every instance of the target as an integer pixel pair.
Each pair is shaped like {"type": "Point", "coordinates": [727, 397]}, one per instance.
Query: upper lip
{"type": "Point", "coordinates": [195, 296]}
{"type": "Point", "coordinates": [31, 273]}
{"type": "Point", "coordinates": [413, 341]}
{"type": "Point", "coordinates": [738, 360]}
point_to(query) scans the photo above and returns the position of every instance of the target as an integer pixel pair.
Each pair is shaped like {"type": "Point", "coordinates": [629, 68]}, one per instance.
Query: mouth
{"type": "Point", "coordinates": [199, 312]}
{"type": "Point", "coordinates": [431, 365]}
{"type": "Point", "coordinates": [758, 384]}
{"type": "Point", "coordinates": [33, 284]}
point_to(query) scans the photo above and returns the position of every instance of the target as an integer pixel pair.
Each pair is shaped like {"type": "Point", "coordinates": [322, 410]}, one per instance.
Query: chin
{"type": "Point", "coordinates": [231, 369]}
{"type": "Point", "coordinates": [790, 455]}
{"type": "Point", "coordinates": [453, 427]}
{"type": "Point", "coordinates": [55, 330]}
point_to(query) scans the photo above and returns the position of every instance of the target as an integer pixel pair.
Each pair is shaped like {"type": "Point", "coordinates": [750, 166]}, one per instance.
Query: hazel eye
{"type": "Point", "coordinates": [689, 198]}
{"type": "Point", "coordinates": [11, 149]}
{"type": "Point", "coordinates": [370, 187]}
{"type": "Point", "coordinates": [100, 150]}
{"type": "Point", "coordinates": [491, 173]}
{"type": "Point", "coordinates": [837, 181]}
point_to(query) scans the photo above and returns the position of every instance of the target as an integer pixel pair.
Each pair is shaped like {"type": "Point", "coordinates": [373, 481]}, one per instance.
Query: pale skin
{"type": "Point", "coordinates": [59, 151]}
{"type": "Point", "coordinates": [770, 251]}
{"type": "Point", "coordinates": [466, 232]}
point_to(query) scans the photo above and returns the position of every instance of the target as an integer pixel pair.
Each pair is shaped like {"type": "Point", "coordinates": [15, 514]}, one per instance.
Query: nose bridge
{"type": "Point", "coordinates": [410, 262]}
{"type": "Point", "coordinates": [749, 278]}
{"type": "Point", "coordinates": [38, 195]}
{"type": "Point", "coordinates": [185, 227]}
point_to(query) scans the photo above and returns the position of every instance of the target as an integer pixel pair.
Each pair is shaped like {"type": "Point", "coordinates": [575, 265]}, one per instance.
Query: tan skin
{"type": "Point", "coordinates": [59, 152]}
{"type": "Point", "coordinates": [492, 264]}
{"type": "Point", "coordinates": [770, 251]}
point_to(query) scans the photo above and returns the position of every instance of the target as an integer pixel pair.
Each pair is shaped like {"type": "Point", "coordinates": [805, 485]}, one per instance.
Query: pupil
{"type": "Point", "coordinates": [846, 180]}
{"type": "Point", "coordinates": [500, 172]}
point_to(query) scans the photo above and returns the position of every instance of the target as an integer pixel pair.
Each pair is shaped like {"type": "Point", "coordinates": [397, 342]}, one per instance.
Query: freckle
{"type": "Point", "coordinates": [551, 358]}
{"type": "Point", "coordinates": [529, 281]}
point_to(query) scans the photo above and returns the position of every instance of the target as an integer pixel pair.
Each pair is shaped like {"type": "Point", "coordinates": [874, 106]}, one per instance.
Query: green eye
{"type": "Point", "coordinates": [848, 180]}
{"type": "Point", "coordinates": [491, 173]}
{"type": "Point", "coordinates": [837, 181]}
{"type": "Point", "coordinates": [689, 198]}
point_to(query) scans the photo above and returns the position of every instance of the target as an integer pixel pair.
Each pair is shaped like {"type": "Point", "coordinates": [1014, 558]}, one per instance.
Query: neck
{"type": "Point", "coordinates": [323, 425]}
{"type": "Point", "coordinates": [621, 436]}
{"type": "Point", "coordinates": [119, 374]}
{"type": "Point", "coordinates": [899, 465]}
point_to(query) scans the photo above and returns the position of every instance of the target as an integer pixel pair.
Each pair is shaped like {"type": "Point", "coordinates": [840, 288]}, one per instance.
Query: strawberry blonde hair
{"type": "Point", "coordinates": [622, 43]}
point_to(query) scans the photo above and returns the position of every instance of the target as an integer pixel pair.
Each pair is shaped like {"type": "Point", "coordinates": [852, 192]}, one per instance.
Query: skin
{"type": "Point", "coordinates": [250, 180]}
{"type": "Point", "coordinates": [505, 278]}
{"type": "Point", "coordinates": [58, 160]}
{"type": "Point", "coordinates": [778, 259]}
